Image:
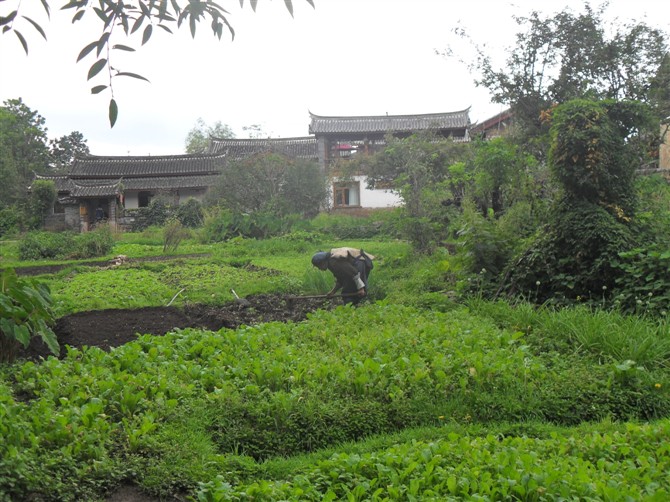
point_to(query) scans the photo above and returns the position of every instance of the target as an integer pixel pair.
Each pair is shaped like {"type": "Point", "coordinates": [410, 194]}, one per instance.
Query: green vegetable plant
{"type": "Point", "coordinates": [25, 311]}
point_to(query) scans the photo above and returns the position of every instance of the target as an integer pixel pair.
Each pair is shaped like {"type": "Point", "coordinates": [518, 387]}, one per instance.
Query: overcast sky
{"type": "Point", "coordinates": [345, 57]}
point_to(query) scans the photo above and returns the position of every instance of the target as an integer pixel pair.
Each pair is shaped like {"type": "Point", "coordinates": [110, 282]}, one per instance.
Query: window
{"type": "Point", "coordinates": [341, 196]}
{"type": "Point", "coordinates": [346, 194]}
{"type": "Point", "coordinates": [143, 199]}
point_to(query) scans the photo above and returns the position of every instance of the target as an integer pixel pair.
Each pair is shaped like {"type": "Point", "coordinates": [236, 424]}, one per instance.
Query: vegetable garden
{"type": "Point", "coordinates": [411, 396]}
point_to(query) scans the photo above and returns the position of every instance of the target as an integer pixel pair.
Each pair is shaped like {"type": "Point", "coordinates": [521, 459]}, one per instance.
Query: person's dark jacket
{"type": "Point", "coordinates": [351, 274]}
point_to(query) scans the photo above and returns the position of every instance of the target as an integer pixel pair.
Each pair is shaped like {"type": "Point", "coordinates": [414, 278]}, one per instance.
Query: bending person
{"type": "Point", "coordinates": [351, 268]}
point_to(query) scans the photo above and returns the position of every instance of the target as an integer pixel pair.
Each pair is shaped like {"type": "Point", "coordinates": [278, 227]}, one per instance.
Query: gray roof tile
{"type": "Point", "coordinates": [237, 149]}
{"type": "Point", "coordinates": [389, 123]}
{"type": "Point", "coordinates": [163, 165]}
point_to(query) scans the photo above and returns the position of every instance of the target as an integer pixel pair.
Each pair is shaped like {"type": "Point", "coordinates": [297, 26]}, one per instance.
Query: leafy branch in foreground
{"type": "Point", "coordinates": [136, 18]}
{"type": "Point", "coordinates": [25, 311]}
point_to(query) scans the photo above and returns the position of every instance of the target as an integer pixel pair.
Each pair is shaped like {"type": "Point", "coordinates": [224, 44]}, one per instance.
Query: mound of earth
{"type": "Point", "coordinates": [114, 327]}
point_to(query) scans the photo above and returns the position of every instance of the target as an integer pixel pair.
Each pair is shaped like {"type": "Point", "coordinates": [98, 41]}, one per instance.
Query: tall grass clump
{"type": "Point", "coordinates": [378, 224]}
{"type": "Point", "coordinates": [612, 335]}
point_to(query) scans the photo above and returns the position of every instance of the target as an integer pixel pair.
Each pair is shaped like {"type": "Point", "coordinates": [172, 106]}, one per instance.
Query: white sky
{"type": "Point", "coordinates": [346, 57]}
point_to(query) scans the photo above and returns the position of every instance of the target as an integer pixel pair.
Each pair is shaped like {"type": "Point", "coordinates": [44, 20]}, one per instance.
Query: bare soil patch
{"type": "Point", "coordinates": [113, 327]}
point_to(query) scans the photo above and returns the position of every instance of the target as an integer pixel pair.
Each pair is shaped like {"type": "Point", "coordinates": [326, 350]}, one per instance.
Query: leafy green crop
{"type": "Point", "coordinates": [25, 311]}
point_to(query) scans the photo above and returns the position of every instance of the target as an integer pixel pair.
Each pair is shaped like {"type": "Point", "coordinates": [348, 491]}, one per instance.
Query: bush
{"type": "Point", "coordinates": [44, 245]}
{"type": "Point", "coordinates": [66, 245]}
{"type": "Point", "coordinates": [226, 224]}
{"type": "Point", "coordinates": [98, 242]}
{"type": "Point", "coordinates": [155, 214]}
{"type": "Point", "coordinates": [190, 213]}
{"type": "Point", "coordinates": [9, 221]}
{"type": "Point", "coordinates": [344, 227]}
{"type": "Point", "coordinates": [572, 259]}
{"type": "Point", "coordinates": [642, 284]}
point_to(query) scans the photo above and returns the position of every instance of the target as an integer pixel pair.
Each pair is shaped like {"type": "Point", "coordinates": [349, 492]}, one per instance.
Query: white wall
{"type": "Point", "coordinates": [377, 198]}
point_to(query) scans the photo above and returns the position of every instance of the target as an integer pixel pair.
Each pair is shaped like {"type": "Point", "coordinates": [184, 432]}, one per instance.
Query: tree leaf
{"type": "Point", "coordinates": [78, 16]}
{"type": "Point", "coordinates": [123, 48]}
{"type": "Point", "coordinates": [22, 40]}
{"type": "Point", "coordinates": [45, 4]}
{"type": "Point", "coordinates": [103, 41]}
{"type": "Point", "coordinates": [165, 28]}
{"type": "Point", "coordinates": [289, 6]}
{"type": "Point", "coordinates": [8, 19]}
{"type": "Point", "coordinates": [147, 34]}
{"type": "Point", "coordinates": [162, 9]}
{"type": "Point", "coordinates": [98, 89]}
{"type": "Point", "coordinates": [253, 4]}
{"type": "Point", "coordinates": [192, 25]}
{"type": "Point", "coordinates": [96, 68]}
{"type": "Point", "coordinates": [138, 22]}
{"type": "Point", "coordinates": [37, 27]}
{"type": "Point", "coordinates": [113, 112]}
{"type": "Point", "coordinates": [129, 74]}
{"type": "Point", "coordinates": [87, 50]}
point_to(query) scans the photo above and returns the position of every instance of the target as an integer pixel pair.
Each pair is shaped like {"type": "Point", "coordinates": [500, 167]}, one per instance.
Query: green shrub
{"type": "Point", "coordinates": [190, 213]}
{"type": "Point", "coordinates": [343, 227]}
{"type": "Point", "coordinates": [155, 214]}
{"type": "Point", "coordinates": [43, 245]}
{"type": "Point", "coordinates": [225, 224]}
{"type": "Point", "coordinates": [9, 221]}
{"type": "Point", "coordinates": [573, 258]}
{"type": "Point", "coordinates": [643, 283]}
{"type": "Point", "coordinates": [98, 242]}
{"type": "Point", "coordinates": [66, 245]}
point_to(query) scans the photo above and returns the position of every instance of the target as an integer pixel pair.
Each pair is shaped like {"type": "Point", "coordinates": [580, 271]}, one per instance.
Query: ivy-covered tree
{"type": "Point", "coordinates": [594, 155]}
{"type": "Point", "coordinates": [122, 24]}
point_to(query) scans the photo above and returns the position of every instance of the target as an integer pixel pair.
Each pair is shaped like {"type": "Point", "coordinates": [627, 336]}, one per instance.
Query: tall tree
{"type": "Point", "coordinates": [125, 21]}
{"type": "Point", "coordinates": [568, 56]}
{"type": "Point", "coordinates": [23, 149]}
{"type": "Point", "coordinates": [271, 182]}
{"type": "Point", "coordinates": [64, 150]}
{"type": "Point", "coordinates": [197, 139]}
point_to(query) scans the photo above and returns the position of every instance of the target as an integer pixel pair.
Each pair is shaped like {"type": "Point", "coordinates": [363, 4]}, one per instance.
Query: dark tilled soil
{"type": "Point", "coordinates": [114, 327]}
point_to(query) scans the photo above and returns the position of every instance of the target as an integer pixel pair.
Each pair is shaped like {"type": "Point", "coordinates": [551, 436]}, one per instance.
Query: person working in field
{"type": "Point", "coordinates": [351, 268]}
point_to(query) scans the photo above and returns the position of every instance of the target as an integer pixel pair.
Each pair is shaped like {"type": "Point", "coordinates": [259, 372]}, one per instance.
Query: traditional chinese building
{"type": "Point", "coordinates": [107, 187]}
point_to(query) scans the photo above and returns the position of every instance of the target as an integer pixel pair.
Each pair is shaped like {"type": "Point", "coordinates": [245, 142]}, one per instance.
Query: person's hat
{"type": "Point", "coordinates": [319, 258]}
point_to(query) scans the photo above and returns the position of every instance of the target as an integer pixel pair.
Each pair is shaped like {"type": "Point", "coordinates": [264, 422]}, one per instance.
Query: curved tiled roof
{"type": "Point", "coordinates": [93, 166]}
{"type": "Point", "coordinates": [107, 187]}
{"type": "Point", "coordinates": [62, 183]}
{"type": "Point", "coordinates": [389, 123]}
{"type": "Point", "coordinates": [95, 190]}
{"type": "Point", "coordinates": [237, 149]}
